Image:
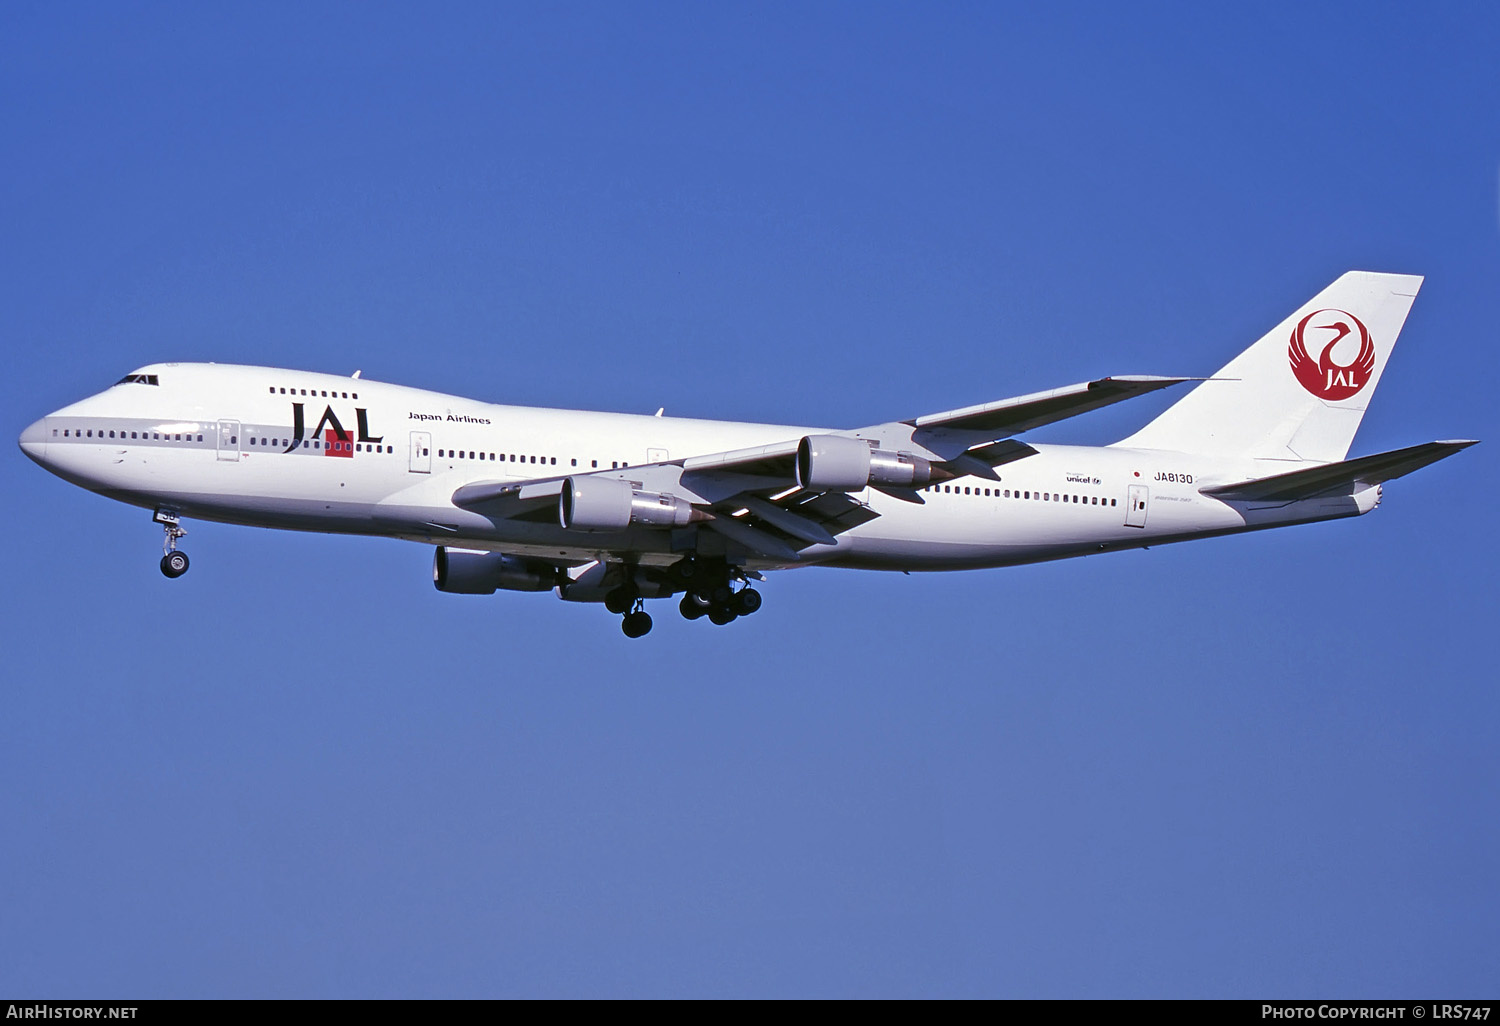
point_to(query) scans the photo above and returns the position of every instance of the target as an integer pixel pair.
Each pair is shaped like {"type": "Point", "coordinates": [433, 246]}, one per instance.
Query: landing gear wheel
{"type": "Point", "coordinates": [636, 624]}
{"type": "Point", "coordinates": [173, 563]}
{"type": "Point", "coordinates": [691, 609]}
{"type": "Point", "coordinates": [722, 615]}
{"type": "Point", "coordinates": [619, 601]}
{"type": "Point", "coordinates": [685, 570]}
{"type": "Point", "coordinates": [747, 602]}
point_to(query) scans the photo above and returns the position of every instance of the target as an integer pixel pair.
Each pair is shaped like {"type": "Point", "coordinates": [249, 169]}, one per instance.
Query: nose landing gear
{"type": "Point", "coordinates": [173, 563]}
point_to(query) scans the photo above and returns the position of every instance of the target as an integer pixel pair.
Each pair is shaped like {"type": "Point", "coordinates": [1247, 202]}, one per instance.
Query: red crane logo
{"type": "Point", "coordinates": [1323, 377]}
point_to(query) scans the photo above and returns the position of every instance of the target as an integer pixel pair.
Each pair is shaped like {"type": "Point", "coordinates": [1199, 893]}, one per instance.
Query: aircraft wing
{"type": "Point", "coordinates": [976, 439]}
{"type": "Point", "coordinates": [750, 496]}
{"type": "Point", "coordinates": [1012, 416]}
{"type": "Point", "coordinates": [1339, 477]}
{"type": "Point", "coordinates": [754, 496]}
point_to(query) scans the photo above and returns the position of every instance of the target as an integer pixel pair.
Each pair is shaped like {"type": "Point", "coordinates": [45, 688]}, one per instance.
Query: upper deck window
{"type": "Point", "coordinates": [137, 379]}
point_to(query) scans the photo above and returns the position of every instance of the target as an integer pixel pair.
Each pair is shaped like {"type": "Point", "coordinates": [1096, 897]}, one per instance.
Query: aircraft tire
{"type": "Point", "coordinates": [636, 625]}
{"type": "Point", "coordinates": [174, 564]}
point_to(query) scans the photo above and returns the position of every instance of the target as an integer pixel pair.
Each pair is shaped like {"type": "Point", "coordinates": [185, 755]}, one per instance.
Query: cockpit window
{"type": "Point", "coordinates": [137, 379]}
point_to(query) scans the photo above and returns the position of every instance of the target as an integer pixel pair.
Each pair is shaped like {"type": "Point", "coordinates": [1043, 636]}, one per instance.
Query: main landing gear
{"type": "Point", "coordinates": [173, 563]}
{"type": "Point", "coordinates": [711, 593]}
{"type": "Point", "coordinates": [712, 588]}
{"type": "Point", "coordinates": [635, 621]}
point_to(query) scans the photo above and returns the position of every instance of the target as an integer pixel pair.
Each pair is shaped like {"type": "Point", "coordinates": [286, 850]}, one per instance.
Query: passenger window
{"type": "Point", "coordinates": [575, 463]}
{"type": "Point", "coordinates": [354, 396]}
{"type": "Point", "coordinates": [595, 463]}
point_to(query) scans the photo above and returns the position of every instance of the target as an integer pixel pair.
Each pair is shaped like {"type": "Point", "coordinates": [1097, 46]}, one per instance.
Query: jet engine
{"type": "Point", "coordinates": [840, 464]}
{"type": "Point", "coordinates": [477, 572]}
{"type": "Point", "coordinates": [606, 504]}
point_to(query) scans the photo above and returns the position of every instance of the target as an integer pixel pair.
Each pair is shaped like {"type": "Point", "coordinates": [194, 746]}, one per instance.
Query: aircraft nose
{"type": "Point", "coordinates": [33, 441]}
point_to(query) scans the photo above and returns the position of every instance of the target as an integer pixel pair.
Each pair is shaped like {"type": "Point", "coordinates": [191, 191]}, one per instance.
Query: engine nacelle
{"type": "Point", "coordinates": [477, 572]}
{"type": "Point", "coordinates": [899, 468]}
{"type": "Point", "coordinates": [840, 464]}
{"type": "Point", "coordinates": [607, 504]}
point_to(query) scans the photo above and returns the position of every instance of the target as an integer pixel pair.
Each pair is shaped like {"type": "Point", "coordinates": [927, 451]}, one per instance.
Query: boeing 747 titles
{"type": "Point", "coordinates": [619, 508]}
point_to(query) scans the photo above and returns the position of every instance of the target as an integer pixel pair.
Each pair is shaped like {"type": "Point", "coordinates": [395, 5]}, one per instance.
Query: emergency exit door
{"type": "Point", "coordinates": [229, 440]}
{"type": "Point", "coordinates": [421, 452]}
{"type": "Point", "coordinates": [1135, 514]}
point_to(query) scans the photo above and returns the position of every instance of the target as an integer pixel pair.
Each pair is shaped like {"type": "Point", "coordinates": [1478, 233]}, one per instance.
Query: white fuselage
{"type": "Point", "coordinates": [315, 452]}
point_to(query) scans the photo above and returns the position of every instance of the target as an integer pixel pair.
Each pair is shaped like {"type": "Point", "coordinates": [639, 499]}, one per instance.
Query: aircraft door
{"type": "Point", "coordinates": [1135, 514]}
{"type": "Point", "coordinates": [229, 441]}
{"type": "Point", "coordinates": [421, 452]}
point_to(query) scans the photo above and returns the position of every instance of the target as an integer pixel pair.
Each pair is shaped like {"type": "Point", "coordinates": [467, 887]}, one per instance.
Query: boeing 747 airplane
{"type": "Point", "coordinates": [618, 508]}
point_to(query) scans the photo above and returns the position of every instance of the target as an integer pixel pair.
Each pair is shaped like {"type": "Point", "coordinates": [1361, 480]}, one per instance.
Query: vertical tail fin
{"type": "Point", "coordinates": [1300, 392]}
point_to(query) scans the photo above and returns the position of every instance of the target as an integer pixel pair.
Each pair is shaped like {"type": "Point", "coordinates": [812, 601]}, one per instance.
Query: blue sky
{"type": "Point", "coordinates": [1253, 766]}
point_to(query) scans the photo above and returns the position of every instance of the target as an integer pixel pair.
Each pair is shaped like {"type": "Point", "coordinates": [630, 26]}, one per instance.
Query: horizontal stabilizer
{"type": "Point", "coordinates": [1336, 477]}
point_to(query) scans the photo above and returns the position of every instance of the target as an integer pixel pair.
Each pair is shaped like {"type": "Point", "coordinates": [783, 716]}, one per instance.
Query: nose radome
{"type": "Point", "coordinates": [33, 440]}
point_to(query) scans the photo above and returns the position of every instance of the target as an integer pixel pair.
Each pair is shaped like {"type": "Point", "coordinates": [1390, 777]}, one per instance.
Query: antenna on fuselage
{"type": "Point", "coordinates": [355, 375]}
